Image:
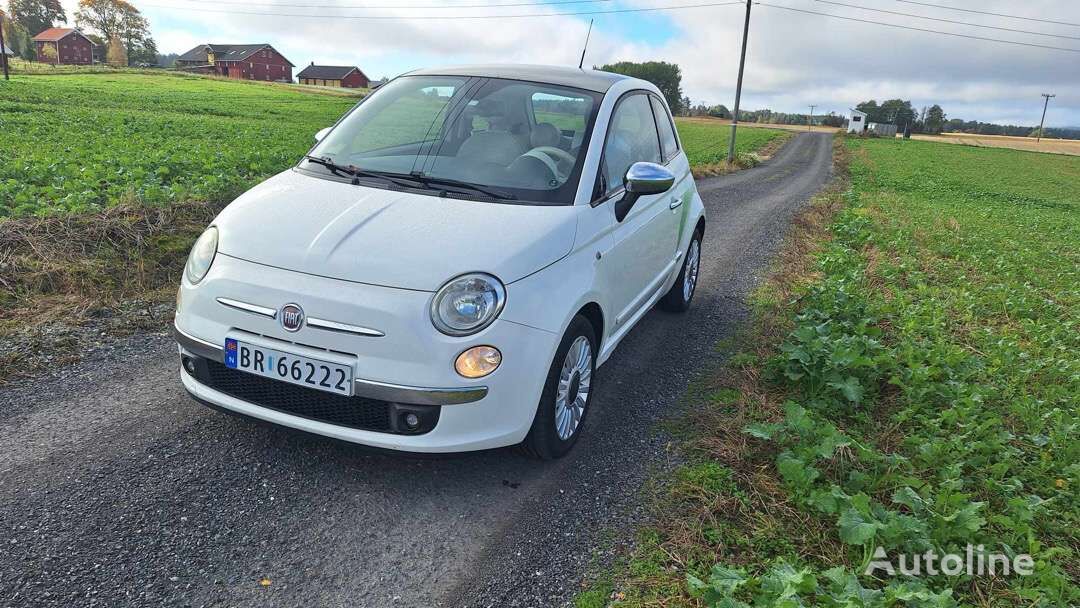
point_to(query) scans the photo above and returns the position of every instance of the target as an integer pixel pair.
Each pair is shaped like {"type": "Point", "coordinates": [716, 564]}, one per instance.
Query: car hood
{"type": "Point", "coordinates": [384, 237]}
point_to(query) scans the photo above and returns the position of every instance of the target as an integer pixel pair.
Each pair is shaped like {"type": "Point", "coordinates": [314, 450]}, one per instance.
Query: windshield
{"type": "Point", "coordinates": [522, 139]}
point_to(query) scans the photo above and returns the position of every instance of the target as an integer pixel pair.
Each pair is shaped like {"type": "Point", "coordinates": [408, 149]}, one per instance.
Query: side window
{"type": "Point", "coordinates": [668, 144]}
{"type": "Point", "coordinates": [631, 138]}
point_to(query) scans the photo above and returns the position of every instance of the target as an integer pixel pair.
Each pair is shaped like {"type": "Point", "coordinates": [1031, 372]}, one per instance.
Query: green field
{"type": "Point", "coordinates": [87, 141]}
{"type": "Point", "coordinates": [706, 142]}
{"type": "Point", "coordinates": [917, 389]}
{"type": "Point", "coordinates": [82, 142]}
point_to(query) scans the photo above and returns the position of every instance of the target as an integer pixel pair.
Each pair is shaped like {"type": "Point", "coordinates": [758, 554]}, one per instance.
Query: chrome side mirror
{"type": "Point", "coordinates": [643, 179]}
{"type": "Point", "coordinates": [321, 134]}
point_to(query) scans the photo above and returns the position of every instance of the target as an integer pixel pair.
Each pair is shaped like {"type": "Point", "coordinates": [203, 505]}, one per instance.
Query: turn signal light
{"type": "Point", "coordinates": [478, 361]}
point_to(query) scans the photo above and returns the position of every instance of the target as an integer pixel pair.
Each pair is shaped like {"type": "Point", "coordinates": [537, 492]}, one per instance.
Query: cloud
{"type": "Point", "coordinates": [794, 59]}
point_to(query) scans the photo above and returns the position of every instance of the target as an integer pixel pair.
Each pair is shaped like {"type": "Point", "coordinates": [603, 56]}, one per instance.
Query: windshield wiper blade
{"type": "Point", "coordinates": [356, 172]}
{"type": "Point", "coordinates": [455, 183]}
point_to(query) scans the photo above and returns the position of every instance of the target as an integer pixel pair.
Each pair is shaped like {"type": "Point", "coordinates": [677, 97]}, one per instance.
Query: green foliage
{"type": "Point", "coordinates": [666, 76]}
{"type": "Point", "coordinates": [706, 141]}
{"type": "Point", "coordinates": [969, 327]}
{"type": "Point", "coordinates": [75, 143]}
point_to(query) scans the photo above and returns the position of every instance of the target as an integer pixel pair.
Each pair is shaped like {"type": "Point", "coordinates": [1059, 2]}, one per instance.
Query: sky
{"type": "Point", "coordinates": [794, 59]}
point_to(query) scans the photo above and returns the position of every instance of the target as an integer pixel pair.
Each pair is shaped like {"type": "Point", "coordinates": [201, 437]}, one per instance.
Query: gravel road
{"type": "Point", "coordinates": [118, 490]}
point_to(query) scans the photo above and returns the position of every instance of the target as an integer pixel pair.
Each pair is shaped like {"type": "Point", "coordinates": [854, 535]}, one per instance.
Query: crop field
{"type": "Point", "coordinates": [912, 383]}
{"type": "Point", "coordinates": [706, 141]}
{"type": "Point", "coordinates": [83, 142]}
{"type": "Point", "coordinates": [1056, 146]}
{"type": "Point", "coordinates": [88, 141]}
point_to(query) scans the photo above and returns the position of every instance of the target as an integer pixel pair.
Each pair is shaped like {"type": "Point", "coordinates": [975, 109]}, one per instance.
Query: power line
{"type": "Point", "coordinates": [970, 10]}
{"type": "Point", "coordinates": [991, 27]}
{"type": "Point", "coordinates": [921, 29]}
{"type": "Point", "coordinates": [401, 6]}
{"type": "Point", "coordinates": [451, 17]}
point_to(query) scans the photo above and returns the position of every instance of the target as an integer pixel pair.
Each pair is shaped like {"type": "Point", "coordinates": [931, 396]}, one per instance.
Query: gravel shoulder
{"type": "Point", "coordinates": [116, 489]}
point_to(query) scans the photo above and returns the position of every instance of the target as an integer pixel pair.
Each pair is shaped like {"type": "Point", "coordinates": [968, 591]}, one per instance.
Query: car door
{"type": "Point", "coordinates": [682, 192]}
{"type": "Point", "coordinates": [644, 240]}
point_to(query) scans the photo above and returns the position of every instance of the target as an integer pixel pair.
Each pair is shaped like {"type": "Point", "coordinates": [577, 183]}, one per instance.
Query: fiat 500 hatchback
{"type": "Point", "coordinates": [450, 263]}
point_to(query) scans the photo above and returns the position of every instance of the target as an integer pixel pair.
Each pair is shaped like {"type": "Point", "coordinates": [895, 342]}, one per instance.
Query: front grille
{"type": "Point", "coordinates": [351, 412]}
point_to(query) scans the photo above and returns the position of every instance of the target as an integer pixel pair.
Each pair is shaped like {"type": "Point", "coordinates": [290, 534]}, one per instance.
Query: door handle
{"type": "Point", "coordinates": [675, 203]}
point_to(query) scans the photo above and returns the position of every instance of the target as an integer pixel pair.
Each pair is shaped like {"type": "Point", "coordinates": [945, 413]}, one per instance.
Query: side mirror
{"type": "Point", "coordinates": [643, 179]}
{"type": "Point", "coordinates": [321, 134]}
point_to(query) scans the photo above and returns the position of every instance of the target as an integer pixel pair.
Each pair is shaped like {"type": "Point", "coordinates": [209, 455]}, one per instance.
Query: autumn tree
{"type": "Point", "coordinates": [116, 54]}
{"type": "Point", "coordinates": [114, 20]}
{"type": "Point", "coordinates": [36, 15]}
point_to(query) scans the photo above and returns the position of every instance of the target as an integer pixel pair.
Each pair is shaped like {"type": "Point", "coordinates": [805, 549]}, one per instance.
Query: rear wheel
{"type": "Point", "coordinates": [681, 293]}
{"type": "Point", "coordinates": [564, 404]}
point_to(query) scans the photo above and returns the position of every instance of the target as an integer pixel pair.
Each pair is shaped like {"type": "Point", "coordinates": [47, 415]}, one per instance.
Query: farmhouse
{"type": "Point", "coordinates": [63, 46]}
{"type": "Point", "coordinates": [350, 77]}
{"type": "Point", "coordinates": [243, 61]}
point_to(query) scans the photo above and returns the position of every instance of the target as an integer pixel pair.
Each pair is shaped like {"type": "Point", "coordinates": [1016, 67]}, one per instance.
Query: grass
{"type": "Point", "coordinates": [910, 382]}
{"type": "Point", "coordinates": [706, 144]}
{"type": "Point", "coordinates": [85, 142]}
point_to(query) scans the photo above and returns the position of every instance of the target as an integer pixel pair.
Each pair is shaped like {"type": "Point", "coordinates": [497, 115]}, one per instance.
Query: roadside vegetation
{"type": "Point", "coordinates": [911, 382]}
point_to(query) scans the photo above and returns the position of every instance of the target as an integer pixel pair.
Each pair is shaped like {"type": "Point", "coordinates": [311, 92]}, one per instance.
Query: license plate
{"type": "Point", "coordinates": [287, 367]}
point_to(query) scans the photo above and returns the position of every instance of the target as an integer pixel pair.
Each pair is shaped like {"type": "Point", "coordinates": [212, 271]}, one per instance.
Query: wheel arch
{"type": "Point", "coordinates": [595, 316]}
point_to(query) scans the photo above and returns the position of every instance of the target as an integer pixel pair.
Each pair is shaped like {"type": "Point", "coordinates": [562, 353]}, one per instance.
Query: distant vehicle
{"type": "Point", "coordinates": [448, 266]}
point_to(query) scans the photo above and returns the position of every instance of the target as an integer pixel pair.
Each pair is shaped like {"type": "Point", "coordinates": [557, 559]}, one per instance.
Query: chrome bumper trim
{"type": "Point", "coordinates": [416, 395]}
{"type": "Point", "coordinates": [199, 347]}
{"type": "Point", "coordinates": [252, 308]}
{"type": "Point", "coordinates": [344, 328]}
{"type": "Point", "coordinates": [370, 389]}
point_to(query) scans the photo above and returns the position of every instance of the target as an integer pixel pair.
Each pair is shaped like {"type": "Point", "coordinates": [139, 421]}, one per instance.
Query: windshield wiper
{"type": "Point", "coordinates": [356, 172]}
{"type": "Point", "coordinates": [429, 180]}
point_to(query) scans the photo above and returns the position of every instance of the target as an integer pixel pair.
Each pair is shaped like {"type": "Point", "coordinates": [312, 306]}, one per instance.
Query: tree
{"type": "Point", "coordinates": [116, 54]}
{"type": "Point", "coordinates": [935, 119]}
{"type": "Point", "coordinates": [49, 54]}
{"type": "Point", "coordinates": [666, 76]}
{"type": "Point", "coordinates": [36, 16]}
{"type": "Point", "coordinates": [114, 20]}
{"type": "Point", "coordinates": [17, 38]}
{"type": "Point", "coordinates": [873, 112]}
{"type": "Point", "coordinates": [144, 52]}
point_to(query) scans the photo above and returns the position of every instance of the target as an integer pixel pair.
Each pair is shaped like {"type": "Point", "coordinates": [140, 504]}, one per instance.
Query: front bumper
{"type": "Point", "coordinates": [409, 366]}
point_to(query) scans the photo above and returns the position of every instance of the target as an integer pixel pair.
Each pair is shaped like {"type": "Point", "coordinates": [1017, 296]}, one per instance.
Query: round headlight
{"type": "Point", "coordinates": [467, 304]}
{"type": "Point", "coordinates": [202, 255]}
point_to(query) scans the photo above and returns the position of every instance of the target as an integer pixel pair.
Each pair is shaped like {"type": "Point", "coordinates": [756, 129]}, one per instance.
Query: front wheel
{"type": "Point", "coordinates": [564, 404]}
{"type": "Point", "coordinates": [678, 297]}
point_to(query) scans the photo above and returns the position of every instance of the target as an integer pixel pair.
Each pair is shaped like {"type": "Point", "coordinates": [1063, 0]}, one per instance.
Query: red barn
{"type": "Point", "coordinates": [243, 61]}
{"type": "Point", "coordinates": [66, 46]}
{"type": "Point", "coordinates": [350, 77]}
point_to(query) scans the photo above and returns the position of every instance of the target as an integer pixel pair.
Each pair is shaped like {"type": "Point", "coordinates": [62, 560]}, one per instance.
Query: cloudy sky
{"type": "Point", "coordinates": [794, 58]}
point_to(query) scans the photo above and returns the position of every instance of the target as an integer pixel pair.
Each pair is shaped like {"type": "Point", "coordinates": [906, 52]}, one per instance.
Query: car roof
{"type": "Point", "coordinates": [590, 80]}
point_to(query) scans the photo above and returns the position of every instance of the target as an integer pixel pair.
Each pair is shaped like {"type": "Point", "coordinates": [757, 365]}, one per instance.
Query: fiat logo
{"type": "Point", "coordinates": [292, 317]}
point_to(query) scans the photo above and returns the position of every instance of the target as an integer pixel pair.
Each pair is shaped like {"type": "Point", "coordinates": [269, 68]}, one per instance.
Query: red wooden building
{"type": "Point", "coordinates": [243, 61]}
{"type": "Point", "coordinates": [63, 46]}
{"type": "Point", "coordinates": [350, 77]}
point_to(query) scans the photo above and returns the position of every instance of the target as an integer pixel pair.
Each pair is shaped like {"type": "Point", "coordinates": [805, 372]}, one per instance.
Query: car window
{"type": "Point", "coordinates": [631, 139]}
{"type": "Point", "coordinates": [668, 144]}
{"type": "Point", "coordinates": [520, 139]}
{"type": "Point", "coordinates": [568, 116]}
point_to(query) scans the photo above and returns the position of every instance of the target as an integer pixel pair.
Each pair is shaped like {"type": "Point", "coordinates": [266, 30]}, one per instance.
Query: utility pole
{"type": "Point", "coordinates": [1043, 121]}
{"type": "Point", "coordinates": [3, 49]}
{"type": "Point", "coordinates": [810, 122]}
{"type": "Point", "coordinates": [738, 85]}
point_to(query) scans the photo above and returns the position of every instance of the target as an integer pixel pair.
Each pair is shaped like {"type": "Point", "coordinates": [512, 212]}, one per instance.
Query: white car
{"type": "Point", "coordinates": [448, 266]}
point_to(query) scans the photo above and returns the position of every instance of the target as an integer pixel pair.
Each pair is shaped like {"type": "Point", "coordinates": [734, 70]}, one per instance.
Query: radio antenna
{"type": "Point", "coordinates": [586, 47]}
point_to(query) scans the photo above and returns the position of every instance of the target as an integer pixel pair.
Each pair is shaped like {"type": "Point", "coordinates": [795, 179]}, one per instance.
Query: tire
{"type": "Point", "coordinates": [554, 430]}
{"type": "Point", "coordinates": [678, 298]}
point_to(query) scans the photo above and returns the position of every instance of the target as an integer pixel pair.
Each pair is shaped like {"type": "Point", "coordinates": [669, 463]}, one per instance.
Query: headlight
{"type": "Point", "coordinates": [202, 255]}
{"type": "Point", "coordinates": [467, 304]}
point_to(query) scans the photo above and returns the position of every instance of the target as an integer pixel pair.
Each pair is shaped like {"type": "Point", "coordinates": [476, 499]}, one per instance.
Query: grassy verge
{"type": "Point", "coordinates": [910, 382]}
{"type": "Point", "coordinates": [706, 143]}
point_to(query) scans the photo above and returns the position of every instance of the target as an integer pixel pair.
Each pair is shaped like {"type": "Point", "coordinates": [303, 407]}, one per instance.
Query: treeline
{"type": "Point", "coordinates": [933, 120]}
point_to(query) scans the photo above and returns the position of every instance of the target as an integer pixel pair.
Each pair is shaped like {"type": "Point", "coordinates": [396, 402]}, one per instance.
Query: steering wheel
{"type": "Point", "coordinates": [558, 160]}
